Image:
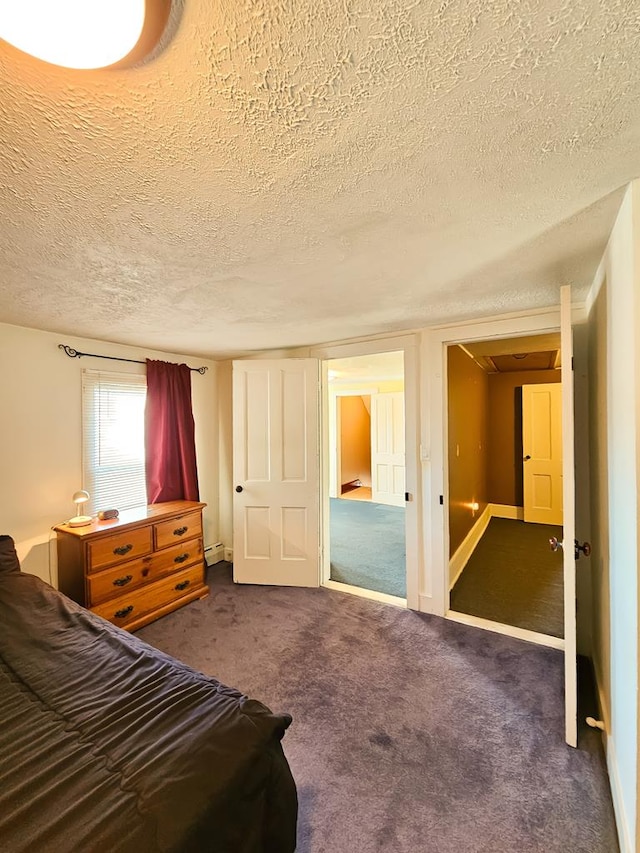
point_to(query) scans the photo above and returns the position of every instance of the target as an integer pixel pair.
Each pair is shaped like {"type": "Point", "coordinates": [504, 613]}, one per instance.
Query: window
{"type": "Point", "coordinates": [113, 439]}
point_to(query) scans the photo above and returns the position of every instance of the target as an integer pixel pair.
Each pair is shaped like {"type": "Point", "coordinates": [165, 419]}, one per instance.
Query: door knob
{"type": "Point", "coordinates": [585, 548]}
{"type": "Point", "coordinates": [238, 488]}
{"type": "Point", "coordinates": [526, 458]}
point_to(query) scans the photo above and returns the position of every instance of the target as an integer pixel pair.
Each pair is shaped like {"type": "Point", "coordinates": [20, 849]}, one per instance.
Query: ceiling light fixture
{"type": "Point", "coordinates": [85, 34]}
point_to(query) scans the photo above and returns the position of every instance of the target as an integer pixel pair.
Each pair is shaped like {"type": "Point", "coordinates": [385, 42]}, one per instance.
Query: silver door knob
{"type": "Point", "coordinates": [554, 543]}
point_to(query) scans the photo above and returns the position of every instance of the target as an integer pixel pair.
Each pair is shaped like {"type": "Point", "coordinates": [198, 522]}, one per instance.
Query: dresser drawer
{"type": "Point", "coordinates": [131, 606]}
{"type": "Point", "coordinates": [118, 580]}
{"type": "Point", "coordinates": [185, 526]}
{"type": "Point", "coordinates": [123, 545]}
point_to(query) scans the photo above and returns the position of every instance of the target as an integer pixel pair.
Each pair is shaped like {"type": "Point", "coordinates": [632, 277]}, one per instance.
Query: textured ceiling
{"type": "Point", "coordinates": [288, 173]}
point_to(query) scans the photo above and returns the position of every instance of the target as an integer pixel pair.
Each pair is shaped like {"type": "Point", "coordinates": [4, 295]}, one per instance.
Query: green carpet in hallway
{"type": "Point", "coordinates": [368, 546]}
{"type": "Point", "coordinates": [514, 578]}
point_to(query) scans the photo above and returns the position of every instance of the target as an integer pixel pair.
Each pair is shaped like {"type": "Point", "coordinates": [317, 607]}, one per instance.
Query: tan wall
{"type": "Point", "coordinates": [504, 456]}
{"type": "Point", "coordinates": [467, 443]}
{"type": "Point", "coordinates": [355, 440]}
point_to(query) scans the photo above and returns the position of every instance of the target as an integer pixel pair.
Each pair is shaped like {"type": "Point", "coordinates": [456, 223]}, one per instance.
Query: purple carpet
{"type": "Point", "coordinates": [410, 733]}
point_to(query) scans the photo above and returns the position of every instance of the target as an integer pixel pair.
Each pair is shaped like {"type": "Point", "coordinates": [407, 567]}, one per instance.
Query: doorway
{"type": "Point", "coordinates": [505, 483]}
{"type": "Point", "coordinates": [367, 474]}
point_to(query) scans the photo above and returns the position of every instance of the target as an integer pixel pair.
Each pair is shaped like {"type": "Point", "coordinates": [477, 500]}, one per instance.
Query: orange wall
{"type": "Point", "coordinates": [467, 443]}
{"type": "Point", "coordinates": [355, 440]}
{"type": "Point", "coordinates": [504, 457]}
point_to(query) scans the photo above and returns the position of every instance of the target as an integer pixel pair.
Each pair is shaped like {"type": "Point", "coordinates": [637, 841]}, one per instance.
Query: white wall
{"type": "Point", "coordinates": [40, 446]}
{"type": "Point", "coordinates": [621, 272]}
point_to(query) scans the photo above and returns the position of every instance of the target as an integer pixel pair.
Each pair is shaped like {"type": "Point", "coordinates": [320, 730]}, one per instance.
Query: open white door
{"type": "Point", "coordinates": [276, 530]}
{"type": "Point", "coordinates": [387, 449]}
{"type": "Point", "coordinates": [542, 448]}
{"type": "Point", "coordinates": [568, 522]}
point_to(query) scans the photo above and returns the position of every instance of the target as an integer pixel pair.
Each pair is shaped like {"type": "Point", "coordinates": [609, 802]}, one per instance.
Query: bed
{"type": "Point", "coordinates": [106, 744]}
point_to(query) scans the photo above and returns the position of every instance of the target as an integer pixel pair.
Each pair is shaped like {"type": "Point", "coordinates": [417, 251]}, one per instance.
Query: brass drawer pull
{"type": "Point", "coordinates": [122, 550]}
{"type": "Point", "coordinates": [120, 614]}
{"type": "Point", "coordinates": [123, 581]}
{"type": "Point", "coordinates": [183, 585]}
{"type": "Point", "coordinates": [181, 558]}
{"type": "Point", "coordinates": [180, 531]}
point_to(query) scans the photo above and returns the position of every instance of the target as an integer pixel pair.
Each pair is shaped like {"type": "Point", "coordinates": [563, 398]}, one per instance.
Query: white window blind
{"type": "Point", "coordinates": [113, 439]}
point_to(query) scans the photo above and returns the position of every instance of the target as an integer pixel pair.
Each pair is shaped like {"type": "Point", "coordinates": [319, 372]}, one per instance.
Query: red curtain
{"type": "Point", "coordinates": [170, 434]}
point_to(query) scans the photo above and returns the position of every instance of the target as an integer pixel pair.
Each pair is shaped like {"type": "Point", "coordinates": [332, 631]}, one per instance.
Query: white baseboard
{"type": "Point", "coordinates": [622, 823]}
{"type": "Point", "coordinates": [470, 541]}
{"type": "Point", "coordinates": [228, 555]}
{"type": "Point", "coordinates": [466, 548]}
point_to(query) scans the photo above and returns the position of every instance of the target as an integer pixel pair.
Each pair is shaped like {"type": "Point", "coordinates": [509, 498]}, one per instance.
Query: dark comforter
{"type": "Point", "coordinates": [109, 745]}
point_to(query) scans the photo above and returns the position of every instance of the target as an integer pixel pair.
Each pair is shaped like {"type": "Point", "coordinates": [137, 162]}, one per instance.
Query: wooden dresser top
{"type": "Point", "coordinates": [138, 516]}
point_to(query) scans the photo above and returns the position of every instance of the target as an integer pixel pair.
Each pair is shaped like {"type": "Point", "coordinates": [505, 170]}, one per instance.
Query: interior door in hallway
{"type": "Point", "coordinates": [276, 528]}
{"type": "Point", "coordinates": [388, 449]}
{"type": "Point", "coordinates": [542, 448]}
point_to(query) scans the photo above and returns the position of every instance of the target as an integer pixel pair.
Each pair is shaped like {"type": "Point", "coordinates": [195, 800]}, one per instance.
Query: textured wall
{"type": "Point", "coordinates": [289, 173]}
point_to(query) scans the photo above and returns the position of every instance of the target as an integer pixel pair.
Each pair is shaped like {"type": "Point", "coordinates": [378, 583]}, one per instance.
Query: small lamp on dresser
{"type": "Point", "coordinates": [80, 497]}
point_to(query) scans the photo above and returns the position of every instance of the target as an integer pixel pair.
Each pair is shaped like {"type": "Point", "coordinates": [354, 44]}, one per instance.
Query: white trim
{"type": "Point", "coordinates": [507, 630]}
{"type": "Point", "coordinates": [409, 344]}
{"type": "Point", "coordinates": [228, 555]}
{"type": "Point", "coordinates": [468, 545]}
{"type": "Point", "coordinates": [367, 346]}
{"type": "Point", "coordinates": [434, 432]}
{"type": "Point", "coordinates": [371, 594]}
{"type": "Point", "coordinates": [504, 511]}
{"type": "Point", "coordinates": [622, 823]}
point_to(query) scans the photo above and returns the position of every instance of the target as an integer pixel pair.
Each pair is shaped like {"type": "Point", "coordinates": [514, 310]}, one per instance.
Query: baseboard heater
{"type": "Point", "coordinates": [214, 553]}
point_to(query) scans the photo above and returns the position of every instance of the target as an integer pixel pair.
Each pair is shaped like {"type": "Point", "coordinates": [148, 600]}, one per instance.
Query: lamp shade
{"type": "Point", "coordinates": [80, 496]}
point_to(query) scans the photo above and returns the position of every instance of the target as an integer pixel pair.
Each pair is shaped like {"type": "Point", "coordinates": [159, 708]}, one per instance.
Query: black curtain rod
{"type": "Point", "coordinates": [74, 353]}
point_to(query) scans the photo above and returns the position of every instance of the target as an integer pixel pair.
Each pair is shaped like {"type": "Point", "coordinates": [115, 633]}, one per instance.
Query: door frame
{"type": "Point", "coordinates": [410, 345]}
{"type": "Point", "coordinates": [434, 592]}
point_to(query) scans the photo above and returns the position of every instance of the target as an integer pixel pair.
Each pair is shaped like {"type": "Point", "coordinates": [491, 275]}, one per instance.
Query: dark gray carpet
{"type": "Point", "coordinates": [368, 546]}
{"type": "Point", "coordinates": [410, 733]}
{"type": "Point", "coordinates": [514, 578]}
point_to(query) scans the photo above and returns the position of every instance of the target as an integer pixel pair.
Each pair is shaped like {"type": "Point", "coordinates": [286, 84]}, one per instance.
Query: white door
{"type": "Point", "coordinates": [542, 452]}
{"type": "Point", "coordinates": [568, 522]}
{"type": "Point", "coordinates": [387, 449]}
{"type": "Point", "coordinates": [276, 473]}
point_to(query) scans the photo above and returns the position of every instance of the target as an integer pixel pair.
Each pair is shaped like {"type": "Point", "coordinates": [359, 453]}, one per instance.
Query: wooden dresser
{"type": "Point", "coordinates": [136, 568]}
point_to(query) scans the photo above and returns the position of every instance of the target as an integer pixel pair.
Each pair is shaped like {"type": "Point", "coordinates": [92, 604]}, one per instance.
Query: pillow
{"type": "Point", "coordinates": [8, 557]}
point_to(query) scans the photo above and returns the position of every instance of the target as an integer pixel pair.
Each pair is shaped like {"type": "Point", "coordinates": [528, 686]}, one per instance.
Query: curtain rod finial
{"type": "Point", "coordinates": [70, 351]}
